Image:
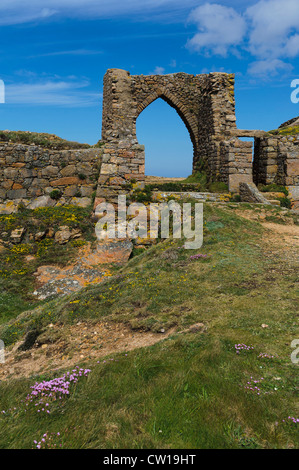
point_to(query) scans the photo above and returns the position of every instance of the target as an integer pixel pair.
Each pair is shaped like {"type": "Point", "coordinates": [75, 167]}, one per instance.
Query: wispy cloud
{"type": "Point", "coordinates": [52, 92]}
{"type": "Point", "coordinates": [159, 70]}
{"type": "Point", "coordinates": [12, 11]}
{"type": "Point", "coordinates": [269, 67]}
{"type": "Point", "coordinates": [75, 52]}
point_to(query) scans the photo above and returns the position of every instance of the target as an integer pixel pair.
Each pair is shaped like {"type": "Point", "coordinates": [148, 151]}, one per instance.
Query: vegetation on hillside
{"type": "Point", "coordinates": [50, 141]}
{"type": "Point", "coordinates": [232, 385]}
{"type": "Point", "coordinates": [290, 130]}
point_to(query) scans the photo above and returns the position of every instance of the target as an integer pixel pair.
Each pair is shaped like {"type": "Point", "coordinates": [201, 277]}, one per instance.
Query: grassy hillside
{"type": "Point", "coordinates": [228, 384]}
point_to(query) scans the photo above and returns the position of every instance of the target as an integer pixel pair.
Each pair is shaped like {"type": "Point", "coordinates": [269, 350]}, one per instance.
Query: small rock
{"type": "Point", "coordinates": [50, 233]}
{"type": "Point", "coordinates": [75, 233]}
{"type": "Point", "coordinates": [264, 325]}
{"type": "Point", "coordinates": [42, 201]}
{"type": "Point", "coordinates": [197, 327]}
{"type": "Point", "coordinates": [29, 258]}
{"type": "Point", "coordinates": [17, 235]}
{"type": "Point", "coordinates": [63, 235]}
{"type": "Point", "coordinates": [39, 236]}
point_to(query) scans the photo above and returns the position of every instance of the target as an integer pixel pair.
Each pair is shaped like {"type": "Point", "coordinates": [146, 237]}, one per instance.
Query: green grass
{"type": "Point", "coordinates": [273, 187]}
{"type": "Point", "coordinates": [187, 391]}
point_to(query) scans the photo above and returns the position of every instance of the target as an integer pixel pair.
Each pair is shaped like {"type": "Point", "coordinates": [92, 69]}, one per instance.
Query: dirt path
{"type": "Point", "coordinates": [65, 346]}
{"type": "Point", "coordinates": [279, 238]}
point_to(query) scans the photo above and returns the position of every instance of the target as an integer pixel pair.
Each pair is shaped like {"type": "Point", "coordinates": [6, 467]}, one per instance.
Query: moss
{"type": "Point", "coordinates": [142, 195]}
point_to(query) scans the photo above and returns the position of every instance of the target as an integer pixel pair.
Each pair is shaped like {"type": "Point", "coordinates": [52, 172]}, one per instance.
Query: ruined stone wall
{"type": "Point", "coordinates": [205, 103]}
{"type": "Point", "coordinates": [276, 160]}
{"type": "Point", "coordinates": [30, 171]}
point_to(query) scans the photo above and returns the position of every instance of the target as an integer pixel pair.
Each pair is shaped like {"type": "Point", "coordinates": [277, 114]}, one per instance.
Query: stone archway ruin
{"type": "Point", "coordinates": [204, 102]}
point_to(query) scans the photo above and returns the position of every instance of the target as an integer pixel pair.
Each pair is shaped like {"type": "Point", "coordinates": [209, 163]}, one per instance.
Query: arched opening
{"type": "Point", "coordinates": [169, 149]}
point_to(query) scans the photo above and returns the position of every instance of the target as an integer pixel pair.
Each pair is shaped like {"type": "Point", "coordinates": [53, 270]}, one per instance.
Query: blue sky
{"type": "Point", "coordinates": [54, 54]}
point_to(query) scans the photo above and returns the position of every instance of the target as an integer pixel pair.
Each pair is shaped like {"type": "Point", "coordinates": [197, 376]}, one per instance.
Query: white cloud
{"type": "Point", "coordinates": [159, 71]}
{"type": "Point", "coordinates": [274, 27]}
{"type": "Point", "coordinates": [219, 27]}
{"type": "Point", "coordinates": [10, 15]}
{"type": "Point", "coordinates": [264, 68]}
{"type": "Point", "coordinates": [268, 30]}
{"type": "Point", "coordinates": [52, 92]}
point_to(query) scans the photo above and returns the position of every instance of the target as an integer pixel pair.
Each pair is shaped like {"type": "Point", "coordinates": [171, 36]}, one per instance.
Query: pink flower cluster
{"type": "Point", "coordinates": [292, 420]}
{"type": "Point", "coordinates": [252, 385]}
{"type": "Point", "coordinates": [43, 393]}
{"type": "Point", "coordinates": [198, 256]}
{"type": "Point", "coordinates": [242, 347]}
{"type": "Point", "coordinates": [265, 356]}
{"type": "Point", "coordinates": [47, 441]}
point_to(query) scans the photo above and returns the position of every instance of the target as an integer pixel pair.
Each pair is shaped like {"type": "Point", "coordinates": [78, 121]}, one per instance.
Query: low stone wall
{"type": "Point", "coordinates": [28, 172]}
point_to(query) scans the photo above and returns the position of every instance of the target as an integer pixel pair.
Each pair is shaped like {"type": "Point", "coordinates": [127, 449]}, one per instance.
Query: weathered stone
{"type": "Point", "coordinates": [65, 181]}
{"type": "Point", "coordinates": [69, 170]}
{"type": "Point", "coordinates": [81, 201]}
{"type": "Point", "coordinates": [42, 201]}
{"type": "Point", "coordinates": [63, 235]}
{"type": "Point", "coordinates": [17, 235]}
{"type": "Point", "coordinates": [250, 193]}
{"type": "Point", "coordinates": [39, 236]}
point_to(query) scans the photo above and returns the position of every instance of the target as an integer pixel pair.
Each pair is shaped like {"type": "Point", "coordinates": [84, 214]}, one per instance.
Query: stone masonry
{"type": "Point", "coordinates": [206, 105]}
{"type": "Point", "coordinates": [29, 171]}
{"type": "Point", "coordinates": [277, 161]}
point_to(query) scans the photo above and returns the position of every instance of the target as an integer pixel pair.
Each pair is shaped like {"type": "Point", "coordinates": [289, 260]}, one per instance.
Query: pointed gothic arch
{"type": "Point", "coordinates": [187, 117]}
